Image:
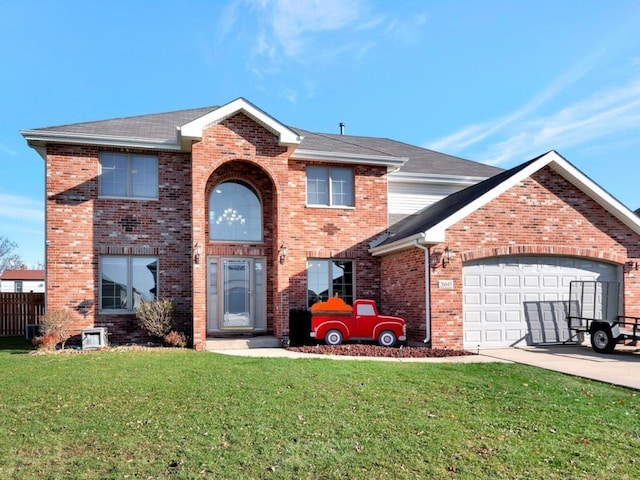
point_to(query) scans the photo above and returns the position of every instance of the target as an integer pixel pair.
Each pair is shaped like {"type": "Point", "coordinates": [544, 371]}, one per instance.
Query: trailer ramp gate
{"type": "Point", "coordinates": [592, 301]}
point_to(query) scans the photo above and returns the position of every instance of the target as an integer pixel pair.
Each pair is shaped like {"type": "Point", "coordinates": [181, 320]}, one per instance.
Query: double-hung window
{"type": "Point", "coordinates": [330, 186]}
{"type": "Point", "coordinates": [125, 281]}
{"type": "Point", "coordinates": [329, 278]}
{"type": "Point", "coordinates": [128, 175]}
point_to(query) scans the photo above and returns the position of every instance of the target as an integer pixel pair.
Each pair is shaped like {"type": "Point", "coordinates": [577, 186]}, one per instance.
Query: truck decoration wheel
{"type": "Point", "coordinates": [602, 340]}
{"type": "Point", "coordinates": [387, 338]}
{"type": "Point", "coordinates": [333, 337]}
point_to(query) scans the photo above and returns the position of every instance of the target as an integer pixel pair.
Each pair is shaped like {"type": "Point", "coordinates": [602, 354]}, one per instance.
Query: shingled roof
{"type": "Point", "coordinates": [421, 160]}
{"type": "Point", "coordinates": [161, 129]}
{"type": "Point", "coordinates": [428, 227]}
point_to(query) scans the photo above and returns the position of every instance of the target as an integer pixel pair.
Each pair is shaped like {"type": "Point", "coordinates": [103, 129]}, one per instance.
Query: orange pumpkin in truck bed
{"type": "Point", "coordinates": [335, 322]}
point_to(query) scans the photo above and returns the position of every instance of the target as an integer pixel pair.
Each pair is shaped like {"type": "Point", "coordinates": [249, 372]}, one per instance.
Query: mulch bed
{"type": "Point", "coordinates": [363, 350]}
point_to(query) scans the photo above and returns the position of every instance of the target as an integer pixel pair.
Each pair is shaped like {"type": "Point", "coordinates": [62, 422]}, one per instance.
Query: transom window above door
{"type": "Point", "coordinates": [235, 213]}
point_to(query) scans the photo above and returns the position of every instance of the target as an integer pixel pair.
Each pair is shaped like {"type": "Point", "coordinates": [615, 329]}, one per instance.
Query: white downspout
{"type": "Point", "coordinates": [427, 290]}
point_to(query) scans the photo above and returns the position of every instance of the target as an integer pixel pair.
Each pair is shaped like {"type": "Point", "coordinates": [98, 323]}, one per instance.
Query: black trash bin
{"type": "Point", "coordinates": [299, 327]}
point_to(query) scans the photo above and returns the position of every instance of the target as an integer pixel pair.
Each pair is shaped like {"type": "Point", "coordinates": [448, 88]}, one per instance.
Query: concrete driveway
{"type": "Point", "coordinates": [622, 367]}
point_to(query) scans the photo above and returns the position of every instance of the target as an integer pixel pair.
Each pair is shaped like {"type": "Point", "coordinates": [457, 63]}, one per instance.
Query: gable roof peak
{"type": "Point", "coordinates": [429, 226]}
{"type": "Point", "coordinates": [193, 130]}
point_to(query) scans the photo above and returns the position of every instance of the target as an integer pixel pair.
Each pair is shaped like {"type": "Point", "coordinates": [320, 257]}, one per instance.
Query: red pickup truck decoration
{"type": "Point", "coordinates": [334, 322]}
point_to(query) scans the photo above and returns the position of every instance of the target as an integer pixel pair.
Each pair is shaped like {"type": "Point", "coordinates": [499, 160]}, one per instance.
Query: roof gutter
{"type": "Point", "coordinates": [427, 291]}
{"type": "Point", "coordinates": [36, 139]}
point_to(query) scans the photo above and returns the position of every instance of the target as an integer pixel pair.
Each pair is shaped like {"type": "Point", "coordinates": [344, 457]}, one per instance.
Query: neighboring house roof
{"type": "Point", "coordinates": [22, 274]}
{"type": "Point", "coordinates": [429, 225]}
{"type": "Point", "coordinates": [175, 130]}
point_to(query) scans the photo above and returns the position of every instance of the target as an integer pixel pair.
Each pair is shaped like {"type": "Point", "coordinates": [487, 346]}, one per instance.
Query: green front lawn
{"type": "Point", "coordinates": [185, 414]}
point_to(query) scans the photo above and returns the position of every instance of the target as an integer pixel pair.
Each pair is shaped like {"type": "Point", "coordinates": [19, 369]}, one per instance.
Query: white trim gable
{"type": "Point", "coordinates": [193, 130]}
{"type": "Point", "coordinates": [436, 234]}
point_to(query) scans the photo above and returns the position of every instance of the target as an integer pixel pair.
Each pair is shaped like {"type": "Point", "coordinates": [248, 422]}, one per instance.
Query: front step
{"type": "Point", "coordinates": [264, 341]}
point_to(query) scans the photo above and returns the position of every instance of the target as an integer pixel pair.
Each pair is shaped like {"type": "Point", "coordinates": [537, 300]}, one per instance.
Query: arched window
{"type": "Point", "coordinates": [235, 213]}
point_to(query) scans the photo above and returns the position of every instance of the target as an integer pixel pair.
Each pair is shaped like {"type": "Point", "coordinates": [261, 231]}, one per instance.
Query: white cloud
{"type": "Point", "coordinates": [473, 134]}
{"type": "Point", "coordinates": [6, 150]}
{"type": "Point", "coordinates": [21, 208]}
{"type": "Point", "coordinates": [606, 114]}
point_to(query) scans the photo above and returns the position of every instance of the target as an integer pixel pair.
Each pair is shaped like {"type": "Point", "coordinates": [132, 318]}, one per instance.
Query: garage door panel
{"type": "Point", "coordinates": [523, 299]}
{"type": "Point", "coordinates": [513, 316]}
{"type": "Point", "coordinates": [492, 281]}
{"type": "Point", "coordinates": [492, 298]}
{"type": "Point", "coordinates": [511, 299]}
{"type": "Point", "coordinates": [512, 281]}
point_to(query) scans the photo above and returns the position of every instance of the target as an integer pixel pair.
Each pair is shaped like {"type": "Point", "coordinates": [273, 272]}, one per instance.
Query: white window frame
{"type": "Point", "coordinates": [330, 186]}
{"type": "Point", "coordinates": [129, 274]}
{"type": "Point", "coordinates": [129, 157]}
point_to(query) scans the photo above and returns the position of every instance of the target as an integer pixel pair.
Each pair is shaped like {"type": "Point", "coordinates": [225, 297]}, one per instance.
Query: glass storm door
{"type": "Point", "coordinates": [236, 294]}
{"type": "Point", "coordinates": [236, 304]}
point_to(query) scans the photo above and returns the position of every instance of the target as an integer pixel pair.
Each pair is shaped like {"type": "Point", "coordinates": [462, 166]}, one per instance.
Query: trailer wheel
{"type": "Point", "coordinates": [387, 338]}
{"type": "Point", "coordinates": [602, 339]}
{"type": "Point", "coordinates": [333, 337]}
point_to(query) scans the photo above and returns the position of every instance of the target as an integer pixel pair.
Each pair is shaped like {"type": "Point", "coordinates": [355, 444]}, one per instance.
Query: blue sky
{"type": "Point", "coordinates": [494, 81]}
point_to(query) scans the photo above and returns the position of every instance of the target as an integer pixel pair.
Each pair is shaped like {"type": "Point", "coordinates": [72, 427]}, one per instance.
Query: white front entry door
{"type": "Point", "coordinates": [236, 298]}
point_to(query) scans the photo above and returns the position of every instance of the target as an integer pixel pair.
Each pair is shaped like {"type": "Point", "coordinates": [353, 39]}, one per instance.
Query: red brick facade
{"type": "Point", "coordinates": [81, 227]}
{"type": "Point", "coordinates": [542, 215]}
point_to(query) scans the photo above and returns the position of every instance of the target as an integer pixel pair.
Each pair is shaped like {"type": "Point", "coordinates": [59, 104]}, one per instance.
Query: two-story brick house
{"type": "Point", "coordinates": [239, 218]}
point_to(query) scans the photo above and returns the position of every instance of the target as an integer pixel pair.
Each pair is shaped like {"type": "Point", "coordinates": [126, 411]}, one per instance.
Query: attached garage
{"type": "Point", "coordinates": [523, 300]}
{"type": "Point", "coordinates": [498, 257]}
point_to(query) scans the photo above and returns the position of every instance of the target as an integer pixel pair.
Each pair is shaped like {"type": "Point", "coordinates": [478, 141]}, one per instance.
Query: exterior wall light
{"type": "Point", "coordinates": [283, 252]}
{"type": "Point", "coordinates": [446, 257]}
{"type": "Point", "coordinates": [197, 250]}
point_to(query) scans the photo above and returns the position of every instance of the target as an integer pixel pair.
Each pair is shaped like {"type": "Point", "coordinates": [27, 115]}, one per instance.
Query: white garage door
{"type": "Point", "coordinates": [522, 300]}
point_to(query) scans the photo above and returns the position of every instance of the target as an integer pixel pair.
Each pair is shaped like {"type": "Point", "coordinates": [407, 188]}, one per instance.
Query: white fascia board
{"type": "Point", "coordinates": [433, 236]}
{"type": "Point", "coordinates": [193, 130]}
{"type": "Point", "coordinates": [406, 242]}
{"type": "Point", "coordinates": [37, 138]}
{"type": "Point", "coordinates": [437, 231]}
{"type": "Point", "coordinates": [563, 168]}
{"type": "Point", "coordinates": [406, 177]}
{"type": "Point", "coordinates": [597, 193]}
{"type": "Point", "coordinates": [337, 157]}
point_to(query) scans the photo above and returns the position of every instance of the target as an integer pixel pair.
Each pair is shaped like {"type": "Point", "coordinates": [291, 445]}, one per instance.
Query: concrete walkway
{"type": "Point", "coordinates": [619, 368]}
{"type": "Point", "coordinates": [622, 367]}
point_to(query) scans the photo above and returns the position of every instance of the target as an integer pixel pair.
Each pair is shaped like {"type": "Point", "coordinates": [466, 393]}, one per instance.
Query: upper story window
{"type": "Point", "coordinates": [330, 186]}
{"type": "Point", "coordinates": [128, 175]}
{"type": "Point", "coordinates": [235, 213]}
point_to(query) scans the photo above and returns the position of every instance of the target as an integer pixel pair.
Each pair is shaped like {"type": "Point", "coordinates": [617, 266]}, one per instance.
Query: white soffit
{"type": "Point", "coordinates": [193, 130]}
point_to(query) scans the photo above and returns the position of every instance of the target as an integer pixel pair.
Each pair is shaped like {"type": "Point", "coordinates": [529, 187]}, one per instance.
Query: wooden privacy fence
{"type": "Point", "coordinates": [17, 310]}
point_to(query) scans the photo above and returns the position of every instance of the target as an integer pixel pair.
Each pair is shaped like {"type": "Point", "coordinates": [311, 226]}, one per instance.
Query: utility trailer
{"type": "Point", "coordinates": [593, 309]}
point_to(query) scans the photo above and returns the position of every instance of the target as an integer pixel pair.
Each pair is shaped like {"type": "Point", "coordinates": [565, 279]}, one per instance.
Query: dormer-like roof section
{"type": "Point", "coordinates": [192, 131]}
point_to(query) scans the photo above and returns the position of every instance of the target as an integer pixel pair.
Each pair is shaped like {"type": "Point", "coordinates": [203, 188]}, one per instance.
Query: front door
{"type": "Point", "coordinates": [236, 294]}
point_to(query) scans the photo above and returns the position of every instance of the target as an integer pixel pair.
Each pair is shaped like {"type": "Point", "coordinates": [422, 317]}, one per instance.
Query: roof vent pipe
{"type": "Point", "coordinates": [341, 128]}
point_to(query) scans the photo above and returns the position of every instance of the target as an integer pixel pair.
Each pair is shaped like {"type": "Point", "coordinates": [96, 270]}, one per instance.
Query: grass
{"type": "Point", "coordinates": [185, 414]}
